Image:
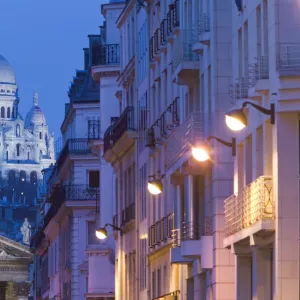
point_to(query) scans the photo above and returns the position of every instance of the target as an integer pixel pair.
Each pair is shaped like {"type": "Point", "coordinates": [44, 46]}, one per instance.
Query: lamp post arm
{"type": "Point", "coordinates": [231, 144]}
{"type": "Point", "coordinates": [113, 226]}
{"type": "Point", "coordinates": [265, 111]}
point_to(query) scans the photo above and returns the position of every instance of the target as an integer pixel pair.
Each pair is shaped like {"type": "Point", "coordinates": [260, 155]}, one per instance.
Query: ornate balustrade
{"type": "Point", "coordinates": [252, 204]}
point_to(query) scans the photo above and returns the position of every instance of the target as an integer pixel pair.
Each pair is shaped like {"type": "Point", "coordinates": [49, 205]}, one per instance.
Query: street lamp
{"type": "Point", "coordinates": [203, 153]}
{"type": "Point", "coordinates": [236, 119]}
{"type": "Point", "coordinates": [57, 297]}
{"type": "Point", "coordinates": [155, 186]}
{"type": "Point", "coordinates": [101, 233]}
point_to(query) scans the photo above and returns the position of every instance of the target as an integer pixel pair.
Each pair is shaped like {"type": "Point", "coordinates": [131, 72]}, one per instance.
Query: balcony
{"type": "Point", "coordinates": [250, 212]}
{"type": "Point", "coordinates": [179, 143]}
{"type": "Point", "coordinates": [173, 17]}
{"type": "Point", "coordinates": [165, 124]}
{"type": "Point", "coordinates": [107, 60]}
{"type": "Point", "coordinates": [239, 90]}
{"type": "Point", "coordinates": [94, 136]}
{"type": "Point", "coordinates": [194, 240]}
{"type": "Point", "coordinates": [72, 149]}
{"type": "Point", "coordinates": [289, 60]}
{"type": "Point", "coordinates": [169, 296]}
{"type": "Point", "coordinates": [71, 195]}
{"type": "Point", "coordinates": [161, 231]}
{"type": "Point", "coordinates": [259, 74]}
{"type": "Point", "coordinates": [202, 33]}
{"type": "Point", "coordinates": [186, 63]}
{"type": "Point", "coordinates": [119, 137]}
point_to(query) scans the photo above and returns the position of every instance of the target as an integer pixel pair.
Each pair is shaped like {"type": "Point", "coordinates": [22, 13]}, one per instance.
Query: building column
{"type": "Point", "coordinates": [261, 273]}
{"type": "Point", "coordinates": [243, 277]}
{"type": "Point", "coordinates": [189, 205]}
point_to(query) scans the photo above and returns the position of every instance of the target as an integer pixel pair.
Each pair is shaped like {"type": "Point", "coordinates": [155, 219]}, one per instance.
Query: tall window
{"type": "Point", "coordinates": [94, 179]}
{"type": "Point", "coordinates": [8, 112]}
{"type": "Point", "coordinates": [18, 149]}
{"type": "Point", "coordinates": [18, 130]}
{"type": "Point", "coordinates": [2, 112]}
{"type": "Point", "coordinates": [143, 191]}
{"type": "Point", "coordinates": [143, 264]}
{"type": "Point", "coordinates": [41, 136]}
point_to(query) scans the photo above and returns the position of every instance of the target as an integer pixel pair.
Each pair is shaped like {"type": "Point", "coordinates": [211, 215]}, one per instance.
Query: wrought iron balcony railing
{"type": "Point", "coordinates": [128, 213]}
{"type": "Point", "coordinates": [259, 70]}
{"type": "Point", "coordinates": [161, 230]}
{"type": "Point", "coordinates": [289, 58]}
{"type": "Point", "coordinates": [163, 32]}
{"type": "Point", "coordinates": [194, 230]}
{"type": "Point", "coordinates": [183, 48]}
{"type": "Point", "coordinates": [239, 90]}
{"type": "Point", "coordinates": [190, 132]}
{"type": "Point", "coordinates": [252, 204]}
{"type": "Point", "coordinates": [58, 194]}
{"type": "Point", "coordinates": [204, 24]}
{"type": "Point", "coordinates": [78, 146]}
{"type": "Point", "coordinates": [109, 54]}
{"type": "Point", "coordinates": [173, 17]}
{"type": "Point", "coordinates": [124, 123]}
{"type": "Point", "coordinates": [93, 129]}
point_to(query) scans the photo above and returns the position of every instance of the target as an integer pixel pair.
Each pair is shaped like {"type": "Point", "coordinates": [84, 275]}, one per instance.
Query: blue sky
{"type": "Point", "coordinates": [43, 41]}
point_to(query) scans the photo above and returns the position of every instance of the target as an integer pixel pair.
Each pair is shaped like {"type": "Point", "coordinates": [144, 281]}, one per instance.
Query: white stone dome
{"type": "Point", "coordinates": [35, 117]}
{"type": "Point", "coordinates": [7, 74]}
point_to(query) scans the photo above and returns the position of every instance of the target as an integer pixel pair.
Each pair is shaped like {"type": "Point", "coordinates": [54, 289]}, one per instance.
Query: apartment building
{"type": "Point", "coordinates": [70, 257]}
{"type": "Point", "coordinates": [172, 91]}
{"type": "Point", "coordinates": [262, 216]}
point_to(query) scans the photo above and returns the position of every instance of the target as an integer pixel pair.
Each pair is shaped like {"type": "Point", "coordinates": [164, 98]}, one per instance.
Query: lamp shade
{"type": "Point", "coordinates": [155, 187]}
{"type": "Point", "coordinates": [101, 233]}
{"type": "Point", "coordinates": [236, 120]}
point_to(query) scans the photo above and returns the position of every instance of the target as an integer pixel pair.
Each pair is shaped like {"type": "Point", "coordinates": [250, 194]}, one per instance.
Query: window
{"type": "Point", "coordinates": [2, 112]}
{"type": "Point", "coordinates": [143, 264]}
{"type": "Point", "coordinates": [94, 179]}
{"type": "Point", "coordinates": [41, 136]}
{"type": "Point", "coordinates": [6, 155]}
{"type": "Point", "coordinates": [28, 155]}
{"type": "Point", "coordinates": [18, 149]}
{"type": "Point", "coordinates": [143, 191]}
{"type": "Point", "coordinates": [8, 112]}
{"type": "Point", "coordinates": [91, 237]}
{"type": "Point", "coordinates": [18, 130]}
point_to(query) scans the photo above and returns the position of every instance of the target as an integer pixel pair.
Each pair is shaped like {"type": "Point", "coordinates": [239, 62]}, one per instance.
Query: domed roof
{"type": "Point", "coordinates": [35, 116]}
{"type": "Point", "coordinates": [7, 74]}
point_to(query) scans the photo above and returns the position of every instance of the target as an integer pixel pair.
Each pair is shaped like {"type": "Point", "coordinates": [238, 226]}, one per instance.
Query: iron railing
{"type": "Point", "coordinates": [163, 32]}
{"type": "Point", "coordinates": [109, 54]}
{"type": "Point", "coordinates": [128, 213]}
{"type": "Point", "coordinates": [161, 230]}
{"type": "Point", "coordinates": [183, 48]}
{"type": "Point", "coordinates": [204, 24]}
{"type": "Point", "coordinates": [176, 238]}
{"type": "Point", "coordinates": [173, 295]}
{"type": "Point", "coordinates": [289, 59]}
{"type": "Point", "coordinates": [194, 230]}
{"type": "Point", "coordinates": [252, 204]}
{"type": "Point", "coordinates": [173, 17]}
{"type": "Point", "coordinates": [239, 90]}
{"type": "Point", "coordinates": [93, 129]}
{"type": "Point", "coordinates": [151, 49]}
{"type": "Point", "coordinates": [124, 123]}
{"type": "Point", "coordinates": [259, 70]}
{"type": "Point", "coordinates": [78, 146]}
{"type": "Point", "coordinates": [190, 132]}
{"type": "Point", "coordinates": [157, 39]}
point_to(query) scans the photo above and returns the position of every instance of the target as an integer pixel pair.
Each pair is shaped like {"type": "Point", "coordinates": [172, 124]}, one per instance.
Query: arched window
{"type": "Point", "coordinates": [18, 130]}
{"type": "Point", "coordinates": [33, 177]}
{"type": "Point", "coordinates": [18, 149]}
{"type": "Point", "coordinates": [2, 112]}
{"type": "Point", "coordinates": [23, 176]}
{"type": "Point", "coordinates": [41, 136]}
{"type": "Point", "coordinates": [8, 112]}
{"type": "Point", "coordinates": [28, 155]}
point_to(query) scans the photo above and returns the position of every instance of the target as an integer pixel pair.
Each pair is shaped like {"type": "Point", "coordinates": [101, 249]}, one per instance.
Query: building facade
{"type": "Point", "coordinates": [69, 258]}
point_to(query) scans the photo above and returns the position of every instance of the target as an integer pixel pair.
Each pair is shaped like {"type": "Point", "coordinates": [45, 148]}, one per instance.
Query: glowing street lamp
{"type": "Point", "coordinates": [101, 233]}
{"type": "Point", "coordinates": [236, 119]}
{"type": "Point", "coordinates": [202, 154]}
{"type": "Point", "coordinates": [155, 186]}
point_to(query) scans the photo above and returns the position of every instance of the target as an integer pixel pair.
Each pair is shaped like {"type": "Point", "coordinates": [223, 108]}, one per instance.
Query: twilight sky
{"type": "Point", "coordinates": [43, 42]}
